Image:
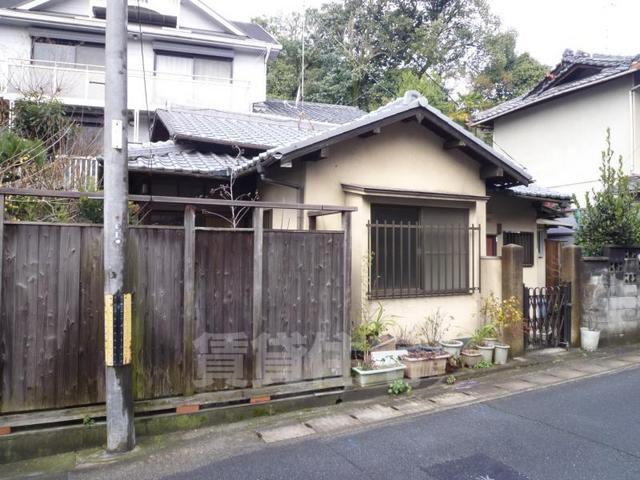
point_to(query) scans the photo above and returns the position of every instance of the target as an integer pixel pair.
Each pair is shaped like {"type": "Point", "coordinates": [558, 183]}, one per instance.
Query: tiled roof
{"type": "Point", "coordinates": [243, 129]}
{"type": "Point", "coordinates": [412, 102]}
{"type": "Point", "coordinates": [533, 190]}
{"type": "Point", "coordinates": [170, 157]}
{"type": "Point", "coordinates": [611, 66]}
{"type": "Point", "coordinates": [255, 31]}
{"type": "Point", "coordinates": [317, 112]}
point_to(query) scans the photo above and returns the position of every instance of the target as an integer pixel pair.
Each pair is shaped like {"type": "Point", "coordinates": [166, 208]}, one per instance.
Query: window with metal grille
{"type": "Point", "coordinates": [525, 240]}
{"type": "Point", "coordinates": [420, 251]}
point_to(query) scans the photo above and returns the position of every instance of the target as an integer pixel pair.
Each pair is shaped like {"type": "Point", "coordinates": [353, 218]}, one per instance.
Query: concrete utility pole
{"type": "Point", "coordinates": [120, 428]}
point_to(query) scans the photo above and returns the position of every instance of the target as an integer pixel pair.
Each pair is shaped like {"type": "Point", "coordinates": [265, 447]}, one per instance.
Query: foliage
{"type": "Point", "coordinates": [39, 118]}
{"type": "Point", "coordinates": [368, 332]}
{"type": "Point", "coordinates": [17, 152]}
{"type": "Point", "coordinates": [483, 364]}
{"type": "Point", "coordinates": [88, 421]}
{"type": "Point", "coordinates": [505, 315]}
{"type": "Point", "coordinates": [434, 327]}
{"type": "Point", "coordinates": [405, 335]}
{"type": "Point", "coordinates": [488, 330]}
{"type": "Point", "coordinates": [366, 53]}
{"type": "Point", "coordinates": [399, 387]}
{"type": "Point", "coordinates": [450, 380]}
{"type": "Point", "coordinates": [611, 215]}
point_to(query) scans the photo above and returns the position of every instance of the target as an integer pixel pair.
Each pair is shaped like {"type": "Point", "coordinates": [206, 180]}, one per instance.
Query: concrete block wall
{"type": "Point", "coordinates": [611, 297]}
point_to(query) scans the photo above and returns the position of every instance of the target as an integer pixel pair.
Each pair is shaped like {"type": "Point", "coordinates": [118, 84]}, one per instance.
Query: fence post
{"type": "Point", "coordinates": [571, 272]}
{"type": "Point", "coordinates": [189, 296]}
{"type": "Point", "coordinates": [257, 341]}
{"type": "Point", "coordinates": [512, 286]}
{"type": "Point", "coordinates": [2, 331]}
{"type": "Point", "coordinates": [346, 295]}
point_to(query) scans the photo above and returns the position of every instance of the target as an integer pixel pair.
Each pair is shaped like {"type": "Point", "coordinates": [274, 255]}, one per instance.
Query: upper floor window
{"type": "Point", "coordinates": [67, 53]}
{"type": "Point", "coordinates": [199, 68]}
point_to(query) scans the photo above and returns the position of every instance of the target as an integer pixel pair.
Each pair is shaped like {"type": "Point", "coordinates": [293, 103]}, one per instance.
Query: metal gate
{"type": "Point", "coordinates": [547, 316]}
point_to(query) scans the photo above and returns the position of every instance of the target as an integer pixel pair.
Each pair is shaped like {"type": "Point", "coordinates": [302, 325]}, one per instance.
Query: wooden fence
{"type": "Point", "coordinates": [214, 310]}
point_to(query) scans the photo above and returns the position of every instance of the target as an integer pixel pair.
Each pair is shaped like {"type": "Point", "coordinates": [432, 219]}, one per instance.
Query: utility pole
{"type": "Point", "coordinates": [120, 428]}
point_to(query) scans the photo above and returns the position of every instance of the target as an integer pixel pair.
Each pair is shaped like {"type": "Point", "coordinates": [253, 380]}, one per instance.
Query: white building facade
{"type": "Point", "coordinates": [558, 129]}
{"type": "Point", "coordinates": [181, 53]}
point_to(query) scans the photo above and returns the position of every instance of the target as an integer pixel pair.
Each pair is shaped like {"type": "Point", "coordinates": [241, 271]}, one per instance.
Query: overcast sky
{"type": "Point", "coordinates": [545, 27]}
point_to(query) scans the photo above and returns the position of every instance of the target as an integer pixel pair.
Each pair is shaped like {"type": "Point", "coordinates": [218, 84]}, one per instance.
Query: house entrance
{"type": "Point", "coordinates": [547, 316]}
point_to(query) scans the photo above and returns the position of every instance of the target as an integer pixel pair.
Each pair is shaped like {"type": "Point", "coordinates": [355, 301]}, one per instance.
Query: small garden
{"type": "Point", "coordinates": [385, 353]}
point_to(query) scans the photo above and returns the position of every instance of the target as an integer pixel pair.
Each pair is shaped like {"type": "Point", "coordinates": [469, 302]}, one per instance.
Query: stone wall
{"type": "Point", "coordinates": [611, 295]}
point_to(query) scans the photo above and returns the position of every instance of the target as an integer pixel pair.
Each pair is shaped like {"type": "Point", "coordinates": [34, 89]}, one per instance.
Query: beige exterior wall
{"type": "Point", "coordinates": [560, 141]}
{"type": "Point", "coordinates": [491, 268]}
{"type": "Point", "coordinates": [404, 156]}
{"type": "Point", "coordinates": [517, 215]}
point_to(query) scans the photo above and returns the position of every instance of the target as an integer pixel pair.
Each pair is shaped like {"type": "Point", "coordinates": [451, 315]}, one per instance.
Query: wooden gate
{"type": "Point", "coordinates": [552, 262]}
{"type": "Point", "coordinates": [547, 316]}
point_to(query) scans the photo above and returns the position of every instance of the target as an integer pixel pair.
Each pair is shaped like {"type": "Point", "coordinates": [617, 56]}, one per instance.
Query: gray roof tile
{"type": "Point", "coordinates": [170, 157]}
{"type": "Point", "coordinates": [533, 190]}
{"type": "Point", "coordinates": [243, 129]}
{"type": "Point", "coordinates": [316, 112]}
{"type": "Point", "coordinates": [612, 66]}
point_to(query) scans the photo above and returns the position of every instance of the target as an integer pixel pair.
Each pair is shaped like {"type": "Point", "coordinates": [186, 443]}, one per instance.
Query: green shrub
{"type": "Point", "coordinates": [611, 215]}
{"type": "Point", "coordinates": [399, 387]}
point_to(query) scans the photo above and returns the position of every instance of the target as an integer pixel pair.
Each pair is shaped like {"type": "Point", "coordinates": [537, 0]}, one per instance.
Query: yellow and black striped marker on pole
{"type": "Point", "coordinates": [117, 329]}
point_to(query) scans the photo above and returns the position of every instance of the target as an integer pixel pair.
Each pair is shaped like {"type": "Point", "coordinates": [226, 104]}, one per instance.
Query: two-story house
{"type": "Point", "coordinates": [181, 53]}
{"type": "Point", "coordinates": [558, 128]}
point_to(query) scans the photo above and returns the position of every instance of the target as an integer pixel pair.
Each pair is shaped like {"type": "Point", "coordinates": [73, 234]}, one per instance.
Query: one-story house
{"type": "Point", "coordinates": [434, 203]}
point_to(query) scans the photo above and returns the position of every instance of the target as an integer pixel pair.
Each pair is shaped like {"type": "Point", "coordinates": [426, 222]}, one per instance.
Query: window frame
{"type": "Point", "coordinates": [517, 238]}
{"type": "Point", "coordinates": [450, 258]}
{"type": "Point", "coordinates": [193, 58]}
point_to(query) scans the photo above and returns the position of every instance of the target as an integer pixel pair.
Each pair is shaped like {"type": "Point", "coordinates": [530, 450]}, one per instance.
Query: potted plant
{"type": "Point", "coordinates": [506, 316]}
{"type": "Point", "coordinates": [365, 336]}
{"type": "Point", "coordinates": [589, 337]}
{"type": "Point", "coordinates": [488, 330]}
{"type": "Point", "coordinates": [453, 347]}
{"type": "Point", "coordinates": [428, 359]}
{"type": "Point", "coordinates": [470, 356]}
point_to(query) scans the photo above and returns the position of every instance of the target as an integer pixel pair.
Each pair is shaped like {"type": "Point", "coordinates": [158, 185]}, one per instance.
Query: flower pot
{"type": "Point", "coordinates": [589, 339]}
{"type": "Point", "coordinates": [490, 341]}
{"type": "Point", "coordinates": [501, 353]}
{"type": "Point", "coordinates": [426, 367]}
{"type": "Point", "coordinates": [486, 352]}
{"type": "Point", "coordinates": [452, 347]}
{"type": "Point", "coordinates": [377, 376]}
{"type": "Point", "coordinates": [471, 357]}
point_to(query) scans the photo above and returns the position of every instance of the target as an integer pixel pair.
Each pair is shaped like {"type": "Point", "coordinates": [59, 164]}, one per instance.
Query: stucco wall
{"type": "Point", "coordinates": [560, 141]}
{"type": "Point", "coordinates": [517, 215]}
{"type": "Point", "coordinates": [404, 156]}
{"type": "Point", "coordinates": [491, 268]}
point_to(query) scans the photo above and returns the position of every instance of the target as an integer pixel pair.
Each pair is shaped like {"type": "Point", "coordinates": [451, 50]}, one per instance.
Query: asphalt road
{"type": "Point", "coordinates": [588, 429]}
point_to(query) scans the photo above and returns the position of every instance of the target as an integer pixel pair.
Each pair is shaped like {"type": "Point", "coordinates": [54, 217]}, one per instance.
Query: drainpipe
{"type": "Point", "coordinates": [281, 183]}
{"type": "Point", "coordinates": [632, 106]}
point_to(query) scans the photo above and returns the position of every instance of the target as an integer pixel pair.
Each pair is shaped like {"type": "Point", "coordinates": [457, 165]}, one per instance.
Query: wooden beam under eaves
{"type": "Point", "coordinates": [491, 171]}
{"type": "Point", "coordinates": [454, 143]}
{"type": "Point", "coordinates": [370, 133]}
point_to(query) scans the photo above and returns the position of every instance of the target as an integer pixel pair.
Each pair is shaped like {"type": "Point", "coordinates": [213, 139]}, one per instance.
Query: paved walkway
{"type": "Point", "coordinates": [158, 457]}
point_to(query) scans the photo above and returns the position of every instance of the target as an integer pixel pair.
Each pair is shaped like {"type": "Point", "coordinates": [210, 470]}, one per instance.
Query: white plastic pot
{"type": "Point", "coordinates": [589, 339]}
{"type": "Point", "coordinates": [501, 353]}
{"type": "Point", "coordinates": [490, 341]}
{"type": "Point", "coordinates": [452, 347]}
{"type": "Point", "coordinates": [487, 353]}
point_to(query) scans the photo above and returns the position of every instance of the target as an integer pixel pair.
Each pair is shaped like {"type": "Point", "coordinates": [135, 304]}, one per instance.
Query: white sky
{"type": "Point", "coordinates": [545, 27]}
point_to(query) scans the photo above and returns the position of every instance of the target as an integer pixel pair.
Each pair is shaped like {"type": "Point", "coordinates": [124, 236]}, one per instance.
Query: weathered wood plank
{"type": "Point", "coordinates": [346, 295]}
{"type": "Point", "coordinates": [257, 338]}
{"type": "Point", "coordinates": [189, 294]}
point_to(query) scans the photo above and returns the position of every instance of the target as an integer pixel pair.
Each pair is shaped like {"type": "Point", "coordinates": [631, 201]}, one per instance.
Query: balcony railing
{"type": "Point", "coordinates": [83, 85]}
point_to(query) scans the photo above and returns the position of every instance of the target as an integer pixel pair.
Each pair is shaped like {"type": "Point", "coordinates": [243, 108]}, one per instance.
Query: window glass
{"type": "Point", "coordinates": [174, 64]}
{"type": "Point", "coordinates": [54, 52]}
{"type": "Point", "coordinates": [212, 67]}
{"type": "Point", "coordinates": [90, 55]}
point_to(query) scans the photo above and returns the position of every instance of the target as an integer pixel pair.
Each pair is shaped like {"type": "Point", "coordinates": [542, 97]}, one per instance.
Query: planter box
{"type": "Point", "coordinates": [423, 367]}
{"type": "Point", "coordinates": [378, 376]}
{"type": "Point", "coordinates": [471, 358]}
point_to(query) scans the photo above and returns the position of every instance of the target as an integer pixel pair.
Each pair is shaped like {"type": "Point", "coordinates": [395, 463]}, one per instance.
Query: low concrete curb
{"type": "Point", "coordinates": [371, 405]}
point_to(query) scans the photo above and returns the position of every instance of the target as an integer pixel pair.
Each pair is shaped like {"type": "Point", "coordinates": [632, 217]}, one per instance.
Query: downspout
{"type": "Point", "coordinates": [281, 183]}
{"type": "Point", "coordinates": [633, 112]}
